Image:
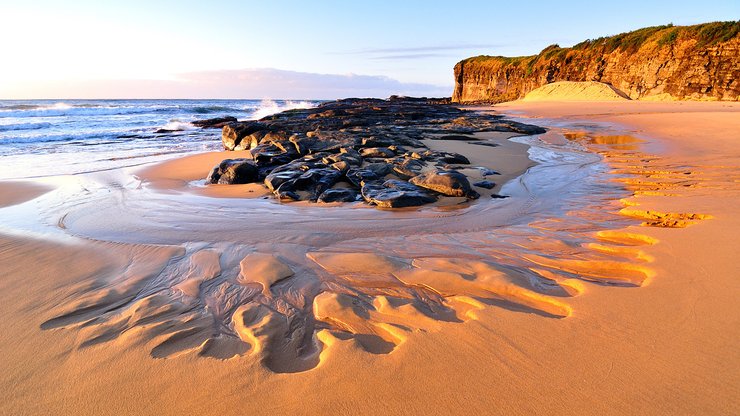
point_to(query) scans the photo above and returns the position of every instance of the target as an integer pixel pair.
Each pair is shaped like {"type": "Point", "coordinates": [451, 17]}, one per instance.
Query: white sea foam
{"type": "Point", "coordinates": [57, 106]}
{"type": "Point", "coordinates": [269, 107]}
{"type": "Point", "coordinates": [177, 125]}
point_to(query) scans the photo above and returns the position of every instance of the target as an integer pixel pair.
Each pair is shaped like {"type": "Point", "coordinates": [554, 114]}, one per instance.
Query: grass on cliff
{"type": "Point", "coordinates": [706, 35]}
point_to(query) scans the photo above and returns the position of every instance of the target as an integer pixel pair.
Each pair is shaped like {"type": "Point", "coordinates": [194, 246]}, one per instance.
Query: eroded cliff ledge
{"type": "Point", "coordinates": [700, 62]}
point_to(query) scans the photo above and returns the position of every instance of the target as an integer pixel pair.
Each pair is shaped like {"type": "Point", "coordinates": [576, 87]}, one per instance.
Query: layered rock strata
{"type": "Point", "coordinates": [700, 62]}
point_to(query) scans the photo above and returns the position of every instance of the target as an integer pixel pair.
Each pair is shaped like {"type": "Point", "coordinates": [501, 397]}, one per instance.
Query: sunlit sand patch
{"type": "Point", "coordinates": [626, 238]}
{"type": "Point", "coordinates": [621, 251]}
{"type": "Point", "coordinates": [664, 219]}
{"type": "Point", "coordinates": [479, 279]}
{"type": "Point", "coordinates": [606, 271]}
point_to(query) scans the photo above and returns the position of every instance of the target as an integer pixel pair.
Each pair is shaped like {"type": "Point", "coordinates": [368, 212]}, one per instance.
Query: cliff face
{"type": "Point", "coordinates": [689, 62]}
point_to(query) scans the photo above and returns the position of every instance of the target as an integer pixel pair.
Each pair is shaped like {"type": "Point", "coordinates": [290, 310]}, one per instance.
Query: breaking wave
{"type": "Point", "coordinates": [269, 107]}
{"type": "Point", "coordinates": [177, 125]}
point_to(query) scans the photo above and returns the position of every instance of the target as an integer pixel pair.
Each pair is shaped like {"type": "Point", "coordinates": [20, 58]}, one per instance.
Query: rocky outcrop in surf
{"type": "Point", "coordinates": [359, 149]}
{"type": "Point", "coordinates": [700, 62]}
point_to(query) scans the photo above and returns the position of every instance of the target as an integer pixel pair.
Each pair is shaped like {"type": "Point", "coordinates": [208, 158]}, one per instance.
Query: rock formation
{"type": "Point", "coordinates": [355, 149]}
{"type": "Point", "coordinates": [700, 62]}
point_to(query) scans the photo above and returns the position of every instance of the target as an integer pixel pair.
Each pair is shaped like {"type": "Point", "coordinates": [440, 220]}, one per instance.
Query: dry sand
{"type": "Point", "coordinates": [185, 174]}
{"type": "Point", "coordinates": [665, 342]}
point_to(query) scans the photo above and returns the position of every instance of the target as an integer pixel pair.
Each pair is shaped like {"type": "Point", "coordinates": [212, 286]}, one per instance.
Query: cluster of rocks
{"type": "Point", "coordinates": [357, 149]}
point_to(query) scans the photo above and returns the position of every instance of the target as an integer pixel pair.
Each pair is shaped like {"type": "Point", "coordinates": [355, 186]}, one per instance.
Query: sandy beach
{"type": "Point", "coordinates": [604, 284]}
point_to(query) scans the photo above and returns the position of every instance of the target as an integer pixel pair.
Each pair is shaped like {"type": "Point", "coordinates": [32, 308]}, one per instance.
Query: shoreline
{"type": "Point", "coordinates": [505, 349]}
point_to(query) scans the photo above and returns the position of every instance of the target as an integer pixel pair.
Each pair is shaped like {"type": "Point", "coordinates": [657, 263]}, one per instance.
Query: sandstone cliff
{"type": "Point", "coordinates": [663, 62]}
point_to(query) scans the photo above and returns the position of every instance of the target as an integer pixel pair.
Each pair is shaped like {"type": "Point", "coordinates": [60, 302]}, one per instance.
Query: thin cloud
{"type": "Point", "coordinates": [408, 56]}
{"type": "Point", "coordinates": [420, 49]}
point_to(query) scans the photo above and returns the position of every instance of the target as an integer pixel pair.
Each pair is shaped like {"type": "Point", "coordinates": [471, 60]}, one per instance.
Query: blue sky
{"type": "Point", "coordinates": [277, 49]}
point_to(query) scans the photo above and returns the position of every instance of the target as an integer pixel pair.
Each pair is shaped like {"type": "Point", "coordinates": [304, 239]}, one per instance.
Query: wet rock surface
{"type": "Point", "coordinates": [485, 184]}
{"type": "Point", "coordinates": [449, 183]}
{"type": "Point", "coordinates": [358, 149]}
{"type": "Point", "coordinates": [214, 123]}
{"type": "Point", "coordinates": [233, 171]}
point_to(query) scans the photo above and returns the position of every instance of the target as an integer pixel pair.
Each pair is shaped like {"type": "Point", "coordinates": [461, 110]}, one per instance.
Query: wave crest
{"type": "Point", "coordinates": [269, 107]}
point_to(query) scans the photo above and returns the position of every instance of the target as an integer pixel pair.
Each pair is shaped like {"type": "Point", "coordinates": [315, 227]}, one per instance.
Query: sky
{"type": "Point", "coordinates": [292, 49]}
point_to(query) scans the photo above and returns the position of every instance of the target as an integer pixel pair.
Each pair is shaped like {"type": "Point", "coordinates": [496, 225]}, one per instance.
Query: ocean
{"type": "Point", "coordinates": [57, 137]}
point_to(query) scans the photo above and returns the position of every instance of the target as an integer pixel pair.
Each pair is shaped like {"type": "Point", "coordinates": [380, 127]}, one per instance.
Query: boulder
{"type": "Point", "coordinates": [357, 176]}
{"type": "Point", "coordinates": [233, 171]}
{"type": "Point", "coordinates": [395, 194]}
{"type": "Point", "coordinates": [447, 183]}
{"type": "Point", "coordinates": [339, 195]}
{"type": "Point", "coordinates": [314, 181]}
{"type": "Point", "coordinates": [454, 159]}
{"type": "Point", "coordinates": [408, 168]}
{"type": "Point", "coordinates": [233, 134]}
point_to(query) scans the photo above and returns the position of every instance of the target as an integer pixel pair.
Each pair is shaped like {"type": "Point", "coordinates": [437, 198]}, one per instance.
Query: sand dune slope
{"type": "Point", "coordinates": [575, 91]}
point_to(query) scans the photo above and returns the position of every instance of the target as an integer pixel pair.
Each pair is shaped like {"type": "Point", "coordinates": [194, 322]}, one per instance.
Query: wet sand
{"type": "Point", "coordinates": [556, 300]}
{"type": "Point", "coordinates": [16, 192]}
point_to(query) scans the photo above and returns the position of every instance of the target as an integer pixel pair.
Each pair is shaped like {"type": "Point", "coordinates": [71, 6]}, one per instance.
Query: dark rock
{"type": "Point", "coordinates": [302, 153]}
{"type": "Point", "coordinates": [343, 157]}
{"type": "Point", "coordinates": [339, 195]}
{"type": "Point", "coordinates": [234, 171]}
{"type": "Point", "coordinates": [395, 194]}
{"type": "Point", "coordinates": [233, 134]}
{"type": "Point", "coordinates": [376, 142]}
{"type": "Point", "coordinates": [357, 176]}
{"type": "Point", "coordinates": [459, 137]}
{"type": "Point", "coordinates": [381, 169]}
{"type": "Point", "coordinates": [408, 168]}
{"type": "Point", "coordinates": [314, 181]}
{"type": "Point", "coordinates": [446, 183]}
{"type": "Point", "coordinates": [454, 158]}
{"type": "Point", "coordinates": [380, 152]}
{"type": "Point", "coordinates": [214, 123]}
{"type": "Point", "coordinates": [499, 196]}
{"type": "Point", "coordinates": [277, 178]}
{"type": "Point", "coordinates": [288, 195]}
{"type": "Point", "coordinates": [488, 144]}
{"type": "Point", "coordinates": [341, 166]}
{"type": "Point", "coordinates": [485, 184]}
{"type": "Point", "coordinates": [265, 152]}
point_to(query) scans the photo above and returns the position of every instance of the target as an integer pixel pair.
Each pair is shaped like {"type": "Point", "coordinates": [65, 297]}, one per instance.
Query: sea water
{"type": "Point", "coordinates": [53, 137]}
